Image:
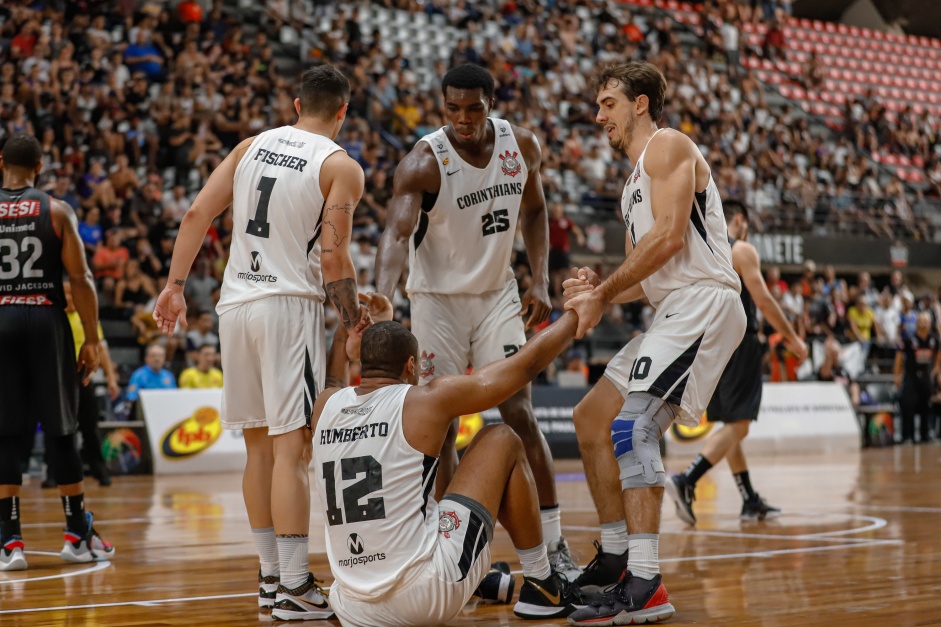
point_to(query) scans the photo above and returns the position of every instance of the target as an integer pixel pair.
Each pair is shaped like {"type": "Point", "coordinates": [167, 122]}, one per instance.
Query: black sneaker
{"type": "Point", "coordinates": [632, 600]}
{"type": "Point", "coordinates": [554, 597]}
{"type": "Point", "coordinates": [267, 590]}
{"type": "Point", "coordinates": [497, 585]}
{"type": "Point", "coordinates": [603, 571]}
{"type": "Point", "coordinates": [683, 494]}
{"type": "Point", "coordinates": [758, 509]}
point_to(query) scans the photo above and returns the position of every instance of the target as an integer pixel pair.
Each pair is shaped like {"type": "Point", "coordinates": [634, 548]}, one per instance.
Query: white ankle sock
{"type": "Point", "coordinates": [643, 560]}
{"type": "Point", "coordinates": [614, 537]}
{"type": "Point", "coordinates": [551, 525]}
{"type": "Point", "coordinates": [292, 556]}
{"type": "Point", "coordinates": [535, 562]}
{"type": "Point", "coordinates": [267, 545]}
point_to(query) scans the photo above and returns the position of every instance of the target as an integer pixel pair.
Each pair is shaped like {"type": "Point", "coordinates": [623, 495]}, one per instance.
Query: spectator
{"type": "Point", "coordinates": [89, 229]}
{"type": "Point", "coordinates": [561, 228]}
{"type": "Point", "coordinates": [200, 287]}
{"type": "Point", "coordinates": [862, 324]}
{"type": "Point", "coordinates": [204, 374]}
{"type": "Point", "coordinates": [109, 260]}
{"type": "Point", "coordinates": [774, 43]}
{"type": "Point", "coordinates": [200, 335]}
{"type": "Point", "coordinates": [152, 375]}
{"type": "Point", "coordinates": [134, 289]}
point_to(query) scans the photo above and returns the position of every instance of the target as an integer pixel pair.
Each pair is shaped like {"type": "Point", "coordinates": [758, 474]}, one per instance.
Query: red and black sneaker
{"type": "Point", "coordinates": [633, 601]}
{"type": "Point", "coordinates": [11, 554]}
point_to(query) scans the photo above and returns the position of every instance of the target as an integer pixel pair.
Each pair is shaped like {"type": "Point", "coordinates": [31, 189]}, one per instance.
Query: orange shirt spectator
{"type": "Point", "coordinates": [109, 259]}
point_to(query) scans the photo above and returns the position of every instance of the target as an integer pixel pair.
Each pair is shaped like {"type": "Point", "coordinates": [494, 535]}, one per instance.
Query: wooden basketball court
{"type": "Point", "coordinates": [859, 543]}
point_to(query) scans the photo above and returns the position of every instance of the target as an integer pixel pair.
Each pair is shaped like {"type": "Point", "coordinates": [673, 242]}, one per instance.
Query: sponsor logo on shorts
{"type": "Point", "coordinates": [19, 209]}
{"type": "Point", "coordinates": [192, 435]}
{"type": "Point", "coordinates": [25, 299]}
{"type": "Point", "coordinates": [426, 364]}
{"type": "Point", "coordinates": [448, 522]}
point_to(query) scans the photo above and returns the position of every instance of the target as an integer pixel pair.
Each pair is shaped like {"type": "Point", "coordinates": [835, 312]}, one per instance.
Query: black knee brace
{"type": "Point", "coordinates": [63, 459]}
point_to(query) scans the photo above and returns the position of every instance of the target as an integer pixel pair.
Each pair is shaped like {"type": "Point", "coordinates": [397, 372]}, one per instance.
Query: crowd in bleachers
{"type": "Point", "coordinates": [135, 102]}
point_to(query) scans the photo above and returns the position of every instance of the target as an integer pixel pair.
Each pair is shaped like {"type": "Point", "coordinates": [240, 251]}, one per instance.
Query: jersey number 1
{"type": "Point", "coordinates": [356, 511]}
{"type": "Point", "coordinates": [258, 226]}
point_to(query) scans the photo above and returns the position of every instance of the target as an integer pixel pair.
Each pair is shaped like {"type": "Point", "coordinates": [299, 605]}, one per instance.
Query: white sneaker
{"type": "Point", "coordinates": [306, 602]}
{"type": "Point", "coordinates": [11, 555]}
{"type": "Point", "coordinates": [267, 590]}
{"type": "Point", "coordinates": [87, 548]}
{"type": "Point", "coordinates": [561, 560]}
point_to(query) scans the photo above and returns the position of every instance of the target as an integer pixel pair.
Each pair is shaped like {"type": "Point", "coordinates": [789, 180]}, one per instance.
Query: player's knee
{"type": "Point", "coordinates": [11, 453]}
{"type": "Point", "coordinates": [518, 414]}
{"type": "Point", "coordinates": [64, 460]}
{"type": "Point", "coordinates": [741, 427]}
{"type": "Point", "coordinates": [635, 434]}
{"type": "Point", "coordinates": [500, 438]}
{"type": "Point", "coordinates": [590, 428]}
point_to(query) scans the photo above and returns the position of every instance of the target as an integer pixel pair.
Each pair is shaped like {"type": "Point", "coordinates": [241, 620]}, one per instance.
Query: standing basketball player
{"type": "Point", "coordinates": [294, 192]}
{"type": "Point", "coordinates": [678, 256]}
{"type": "Point", "coordinates": [38, 243]}
{"type": "Point", "coordinates": [456, 201]}
{"type": "Point", "coordinates": [398, 556]}
{"type": "Point", "coordinates": [738, 395]}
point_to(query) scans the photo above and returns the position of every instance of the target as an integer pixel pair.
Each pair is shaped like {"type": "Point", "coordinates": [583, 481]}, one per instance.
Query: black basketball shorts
{"type": "Point", "coordinates": [738, 395]}
{"type": "Point", "coordinates": [38, 381]}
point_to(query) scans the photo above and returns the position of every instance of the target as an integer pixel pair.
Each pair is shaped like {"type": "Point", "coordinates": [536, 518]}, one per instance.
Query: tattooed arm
{"type": "Point", "coordinates": [341, 180]}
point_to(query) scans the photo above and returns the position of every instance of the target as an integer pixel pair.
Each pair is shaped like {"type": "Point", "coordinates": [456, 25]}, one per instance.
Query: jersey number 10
{"type": "Point", "coordinates": [356, 511]}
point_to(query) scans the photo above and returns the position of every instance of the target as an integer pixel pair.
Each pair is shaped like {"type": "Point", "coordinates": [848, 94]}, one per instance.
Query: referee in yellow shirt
{"type": "Point", "coordinates": [203, 374]}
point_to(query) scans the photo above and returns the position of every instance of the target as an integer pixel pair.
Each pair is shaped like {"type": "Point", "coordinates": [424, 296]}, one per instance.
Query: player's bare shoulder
{"type": "Point", "coordinates": [418, 171]}
{"type": "Point", "coordinates": [529, 146]}
{"type": "Point", "coordinates": [668, 148]}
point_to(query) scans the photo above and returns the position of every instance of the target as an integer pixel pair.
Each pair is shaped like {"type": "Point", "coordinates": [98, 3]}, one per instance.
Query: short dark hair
{"type": "Point", "coordinates": [324, 90]}
{"type": "Point", "coordinates": [22, 151]}
{"type": "Point", "coordinates": [468, 76]}
{"type": "Point", "coordinates": [385, 349]}
{"type": "Point", "coordinates": [733, 207]}
{"type": "Point", "coordinates": [207, 345]}
{"type": "Point", "coordinates": [636, 78]}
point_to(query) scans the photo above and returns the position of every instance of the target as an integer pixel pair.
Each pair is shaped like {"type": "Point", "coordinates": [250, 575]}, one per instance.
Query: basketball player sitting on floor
{"type": "Point", "coordinates": [399, 558]}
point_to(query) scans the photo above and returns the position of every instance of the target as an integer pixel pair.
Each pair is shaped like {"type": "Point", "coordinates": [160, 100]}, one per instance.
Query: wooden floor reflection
{"type": "Point", "coordinates": [859, 543]}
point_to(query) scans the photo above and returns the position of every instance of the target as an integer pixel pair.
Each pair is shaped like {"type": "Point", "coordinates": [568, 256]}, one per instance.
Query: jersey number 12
{"type": "Point", "coordinates": [356, 511]}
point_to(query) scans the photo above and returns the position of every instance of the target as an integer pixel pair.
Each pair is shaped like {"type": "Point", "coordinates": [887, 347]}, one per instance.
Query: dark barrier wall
{"type": "Point", "coordinates": [782, 249]}
{"type": "Point", "coordinates": [553, 408]}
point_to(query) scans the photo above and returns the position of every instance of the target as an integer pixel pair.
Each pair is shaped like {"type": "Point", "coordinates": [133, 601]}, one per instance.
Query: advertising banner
{"type": "Point", "coordinates": [801, 417]}
{"type": "Point", "coordinates": [186, 434]}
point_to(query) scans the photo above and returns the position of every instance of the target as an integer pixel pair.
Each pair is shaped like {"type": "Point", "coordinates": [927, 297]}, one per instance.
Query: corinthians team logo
{"type": "Point", "coordinates": [511, 165]}
{"type": "Point", "coordinates": [426, 365]}
{"type": "Point", "coordinates": [448, 522]}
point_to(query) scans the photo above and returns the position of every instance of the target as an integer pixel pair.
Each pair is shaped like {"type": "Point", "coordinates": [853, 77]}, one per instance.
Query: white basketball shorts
{"type": "Point", "coordinates": [457, 330]}
{"type": "Point", "coordinates": [432, 591]}
{"type": "Point", "coordinates": [274, 362]}
{"type": "Point", "coordinates": [682, 355]}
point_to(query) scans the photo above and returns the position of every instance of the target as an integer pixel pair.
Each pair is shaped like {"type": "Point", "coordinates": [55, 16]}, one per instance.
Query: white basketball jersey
{"type": "Point", "coordinates": [377, 491]}
{"type": "Point", "coordinates": [463, 244]}
{"type": "Point", "coordinates": [277, 209]}
{"type": "Point", "coordinates": [706, 255]}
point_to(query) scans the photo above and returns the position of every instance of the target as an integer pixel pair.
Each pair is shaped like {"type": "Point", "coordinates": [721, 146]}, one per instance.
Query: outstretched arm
{"type": "Point", "coordinates": [211, 201]}
{"type": "Point", "coordinates": [671, 165]}
{"type": "Point", "coordinates": [342, 181]}
{"type": "Point", "coordinates": [415, 176]}
{"type": "Point", "coordinates": [748, 265]}
{"type": "Point", "coordinates": [534, 221]}
{"type": "Point", "coordinates": [83, 286]}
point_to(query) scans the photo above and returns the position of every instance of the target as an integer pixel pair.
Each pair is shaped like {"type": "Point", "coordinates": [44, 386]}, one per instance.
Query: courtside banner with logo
{"type": "Point", "coordinates": [794, 417]}
{"type": "Point", "coordinates": [186, 434]}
